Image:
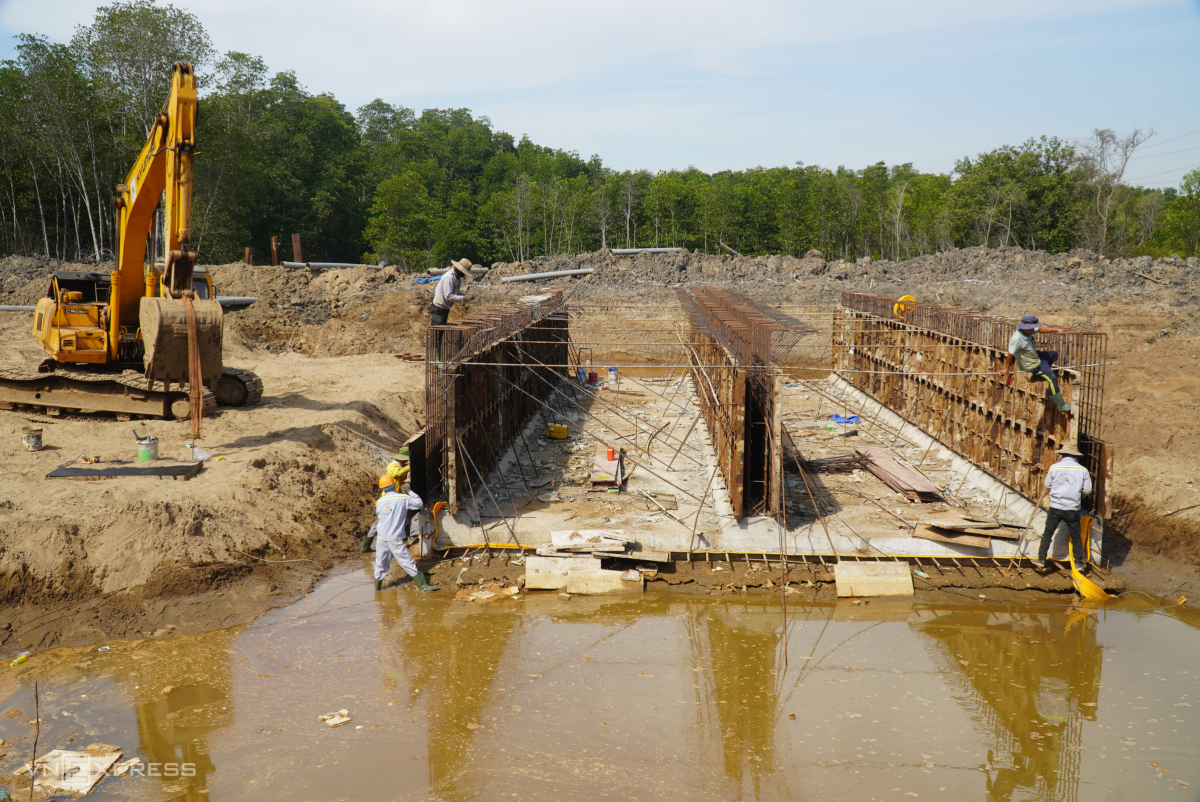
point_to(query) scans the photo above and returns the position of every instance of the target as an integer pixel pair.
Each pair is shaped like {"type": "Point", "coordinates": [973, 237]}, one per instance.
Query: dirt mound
{"type": "Point", "coordinates": [25, 279]}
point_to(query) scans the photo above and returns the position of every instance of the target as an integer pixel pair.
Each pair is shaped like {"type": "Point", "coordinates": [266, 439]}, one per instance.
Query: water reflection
{"type": "Point", "coordinates": [1030, 680]}
{"type": "Point", "coordinates": [450, 657]}
{"type": "Point", "coordinates": [174, 727]}
{"type": "Point", "coordinates": [740, 645]}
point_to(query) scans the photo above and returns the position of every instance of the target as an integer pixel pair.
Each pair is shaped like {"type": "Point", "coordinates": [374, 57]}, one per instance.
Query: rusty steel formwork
{"type": "Point", "coordinates": [735, 348]}
{"type": "Point", "coordinates": [937, 367]}
{"type": "Point", "coordinates": [484, 378]}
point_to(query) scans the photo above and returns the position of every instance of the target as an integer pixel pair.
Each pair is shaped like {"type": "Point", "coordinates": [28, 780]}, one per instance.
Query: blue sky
{"type": "Point", "coordinates": [718, 84]}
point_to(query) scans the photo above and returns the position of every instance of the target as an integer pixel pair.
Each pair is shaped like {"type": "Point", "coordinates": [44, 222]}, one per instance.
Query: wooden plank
{"type": "Point", "coordinates": [929, 533]}
{"type": "Point", "coordinates": [589, 540]}
{"type": "Point", "coordinates": [873, 579]}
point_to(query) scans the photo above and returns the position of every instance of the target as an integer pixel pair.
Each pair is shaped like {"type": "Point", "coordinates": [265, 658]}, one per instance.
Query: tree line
{"type": "Point", "coordinates": [387, 183]}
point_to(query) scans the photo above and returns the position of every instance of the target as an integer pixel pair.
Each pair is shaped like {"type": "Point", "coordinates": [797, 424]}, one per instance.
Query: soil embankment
{"type": "Point", "coordinates": [295, 479]}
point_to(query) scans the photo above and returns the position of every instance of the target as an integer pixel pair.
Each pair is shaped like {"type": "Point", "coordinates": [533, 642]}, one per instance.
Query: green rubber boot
{"type": "Point", "coordinates": [422, 583]}
{"type": "Point", "coordinates": [1062, 405]}
{"type": "Point", "coordinates": [378, 584]}
{"type": "Point", "coordinates": [367, 543]}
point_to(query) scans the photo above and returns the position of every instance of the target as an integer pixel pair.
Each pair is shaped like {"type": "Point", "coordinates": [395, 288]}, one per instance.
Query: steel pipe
{"type": "Point", "coordinates": [330, 265]}
{"type": "Point", "coordinates": [17, 308]}
{"type": "Point", "coordinates": [555, 274]}
{"type": "Point", "coordinates": [632, 251]}
{"type": "Point", "coordinates": [235, 301]}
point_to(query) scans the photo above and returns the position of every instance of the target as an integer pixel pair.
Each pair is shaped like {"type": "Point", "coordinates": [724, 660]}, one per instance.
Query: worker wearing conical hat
{"type": "Point", "coordinates": [1067, 482]}
{"type": "Point", "coordinates": [449, 292]}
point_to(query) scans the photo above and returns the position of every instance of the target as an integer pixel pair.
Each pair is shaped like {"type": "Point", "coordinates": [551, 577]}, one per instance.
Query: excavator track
{"type": "Point", "coordinates": [127, 394]}
{"type": "Point", "coordinates": [238, 387]}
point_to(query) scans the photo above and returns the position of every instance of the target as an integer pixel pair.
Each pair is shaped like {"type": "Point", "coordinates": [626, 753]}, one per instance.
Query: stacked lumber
{"type": "Point", "coordinates": [596, 542]}
{"type": "Point", "coordinates": [965, 531]}
{"type": "Point", "coordinates": [903, 480]}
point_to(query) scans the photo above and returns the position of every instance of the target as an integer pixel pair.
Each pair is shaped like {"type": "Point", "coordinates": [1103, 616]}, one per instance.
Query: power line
{"type": "Point", "coordinates": [1164, 172]}
{"type": "Point", "coordinates": [1172, 139]}
{"type": "Point", "coordinates": [1168, 153]}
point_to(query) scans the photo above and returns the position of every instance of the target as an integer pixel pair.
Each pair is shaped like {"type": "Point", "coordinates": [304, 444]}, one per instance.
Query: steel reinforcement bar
{"type": "Point", "coordinates": [482, 376]}
{"type": "Point", "coordinates": [736, 346]}
{"type": "Point", "coordinates": [938, 368]}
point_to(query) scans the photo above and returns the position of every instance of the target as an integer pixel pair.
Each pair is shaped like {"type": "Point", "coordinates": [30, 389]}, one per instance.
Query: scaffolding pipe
{"type": "Point", "coordinates": [632, 251]}
{"type": "Point", "coordinates": [555, 274]}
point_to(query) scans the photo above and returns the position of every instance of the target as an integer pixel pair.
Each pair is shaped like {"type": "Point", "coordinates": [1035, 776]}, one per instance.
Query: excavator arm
{"type": "Point", "coordinates": [146, 306]}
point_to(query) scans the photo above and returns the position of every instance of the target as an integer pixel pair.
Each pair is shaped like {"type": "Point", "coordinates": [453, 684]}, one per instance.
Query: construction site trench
{"type": "Point", "coordinates": [741, 497]}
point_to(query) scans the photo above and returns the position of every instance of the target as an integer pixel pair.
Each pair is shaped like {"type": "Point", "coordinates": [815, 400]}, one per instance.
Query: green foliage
{"type": "Point", "coordinates": [420, 189]}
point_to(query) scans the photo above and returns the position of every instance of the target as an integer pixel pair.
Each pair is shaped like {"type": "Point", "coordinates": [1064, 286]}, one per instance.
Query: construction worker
{"type": "Point", "coordinates": [1023, 351]}
{"type": "Point", "coordinates": [391, 512]}
{"type": "Point", "coordinates": [445, 295]}
{"type": "Point", "coordinates": [398, 468]}
{"type": "Point", "coordinates": [1067, 481]}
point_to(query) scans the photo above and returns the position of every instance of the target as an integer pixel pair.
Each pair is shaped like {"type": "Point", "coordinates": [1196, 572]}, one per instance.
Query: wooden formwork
{"type": "Point", "coordinates": [948, 385]}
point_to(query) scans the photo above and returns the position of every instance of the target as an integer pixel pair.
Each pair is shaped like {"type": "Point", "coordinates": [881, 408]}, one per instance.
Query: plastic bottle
{"type": "Point", "coordinates": [612, 375]}
{"type": "Point", "coordinates": [20, 658]}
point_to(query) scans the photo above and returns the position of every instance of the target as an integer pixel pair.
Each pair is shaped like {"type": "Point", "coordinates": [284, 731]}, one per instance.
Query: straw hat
{"type": "Point", "coordinates": [1070, 450]}
{"type": "Point", "coordinates": [462, 266]}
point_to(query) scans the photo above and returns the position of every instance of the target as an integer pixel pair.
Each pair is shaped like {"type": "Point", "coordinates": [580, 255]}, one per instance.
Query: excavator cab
{"type": "Point", "coordinates": [71, 322]}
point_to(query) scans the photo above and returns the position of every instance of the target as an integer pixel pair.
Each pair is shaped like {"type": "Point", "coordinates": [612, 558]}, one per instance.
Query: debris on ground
{"type": "Point", "coordinates": [335, 719]}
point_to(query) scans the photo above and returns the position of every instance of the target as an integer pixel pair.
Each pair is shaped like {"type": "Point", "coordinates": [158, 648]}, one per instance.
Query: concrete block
{"type": "Point", "coordinates": [587, 578]}
{"type": "Point", "coordinates": [546, 573]}
{"type": "Point", "coordinates": [873, 579]}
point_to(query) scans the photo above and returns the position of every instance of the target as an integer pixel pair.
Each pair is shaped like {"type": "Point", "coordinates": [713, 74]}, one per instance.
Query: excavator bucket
{"type": "Point", "coordinates": [165, 334]}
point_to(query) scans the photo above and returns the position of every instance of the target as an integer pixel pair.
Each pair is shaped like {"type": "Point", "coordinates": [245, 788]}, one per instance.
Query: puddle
{"type": "Point", "coordinates": [661, 697]}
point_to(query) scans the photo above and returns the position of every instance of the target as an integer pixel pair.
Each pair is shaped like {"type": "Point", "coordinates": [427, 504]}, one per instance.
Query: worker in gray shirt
{"type": "Point", "coordinates": [1023, 351]}
{"type": "Point", "coordinates": [448, 293]}
{"type": "Point", "coordinates": [1068, 482]}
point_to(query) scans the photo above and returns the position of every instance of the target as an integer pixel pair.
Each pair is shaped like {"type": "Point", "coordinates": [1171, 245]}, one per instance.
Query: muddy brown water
{"type": "Point", "coordinates": [654, 697]}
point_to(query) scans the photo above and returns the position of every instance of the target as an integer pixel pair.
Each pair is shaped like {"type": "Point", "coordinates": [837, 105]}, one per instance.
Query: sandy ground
{"type": "Point", "coordinates": [296, 474]}
{"type": "Point", "coordinates": [292, 477]}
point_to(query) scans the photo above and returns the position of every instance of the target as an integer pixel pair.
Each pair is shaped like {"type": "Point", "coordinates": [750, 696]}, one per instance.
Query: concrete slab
{"type": "Point", "coordinates": [873, 579]}
{"type": "Point", "coordinates": [587, 578]}
{"type": "Point", "coordinates": [545, 573]}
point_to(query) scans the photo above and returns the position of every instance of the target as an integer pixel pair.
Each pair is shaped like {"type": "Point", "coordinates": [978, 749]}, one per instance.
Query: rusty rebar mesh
{"type": "Point", "coordinates": [735, 347]}
{"type": "Point", "coordinates": [475, 372]}
{"type": "Point", "coordinates": [938, 368]}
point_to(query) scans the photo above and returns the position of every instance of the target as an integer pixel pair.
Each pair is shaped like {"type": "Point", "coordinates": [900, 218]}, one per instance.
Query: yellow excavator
{"type": "Point", "coordinates": [143, 340]}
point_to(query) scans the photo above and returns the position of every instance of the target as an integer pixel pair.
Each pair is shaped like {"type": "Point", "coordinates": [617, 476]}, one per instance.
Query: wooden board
{"type": "Point", "coordinates": [954, 522]}
{"type": "Point", "coordinates": [589, 540]}
{"type": "Point", "coordinates": [901, 479]}
{"type": "Point", "coordinates": [873, 579]}
{"type": "Point", "coordinates": [946, 536]}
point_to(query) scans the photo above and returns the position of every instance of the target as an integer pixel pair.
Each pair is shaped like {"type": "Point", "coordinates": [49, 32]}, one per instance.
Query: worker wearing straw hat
{"type": "Point", "coordinates": [1067, 482]}
{"type": "Point", "coordinates": [448, 293]}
